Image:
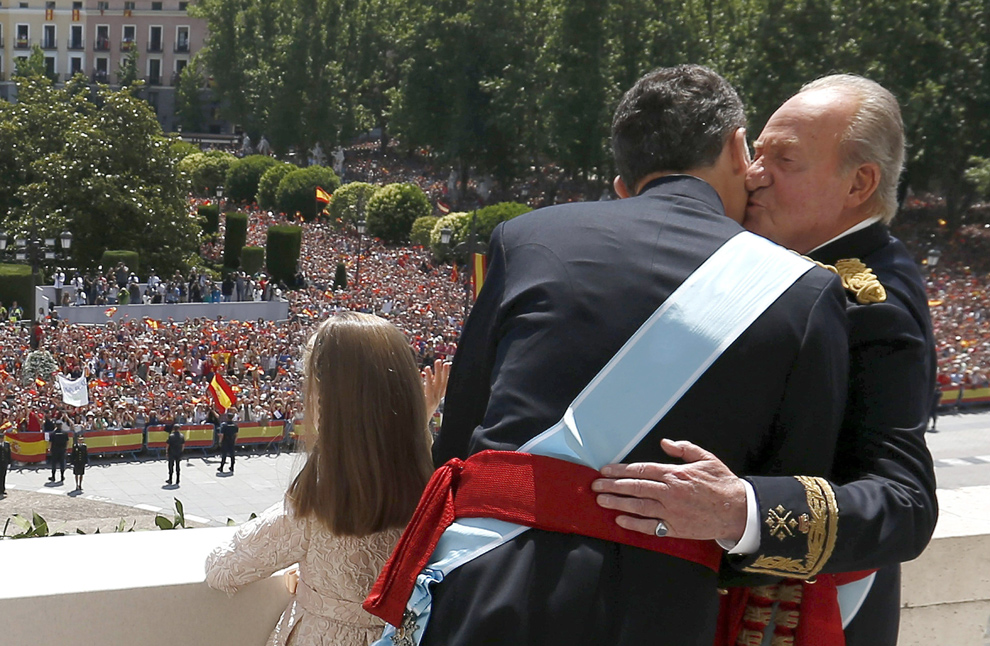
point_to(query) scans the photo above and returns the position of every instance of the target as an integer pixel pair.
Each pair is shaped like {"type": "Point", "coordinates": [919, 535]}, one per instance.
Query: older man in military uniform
{"type": "Point", "coordinates": [824, 183]}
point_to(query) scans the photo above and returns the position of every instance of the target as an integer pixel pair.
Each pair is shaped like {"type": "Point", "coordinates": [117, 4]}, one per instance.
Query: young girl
{"type": "Point", "coordinates": [368, 464]}
{"type": "Point", "coordinates": [79, 458]}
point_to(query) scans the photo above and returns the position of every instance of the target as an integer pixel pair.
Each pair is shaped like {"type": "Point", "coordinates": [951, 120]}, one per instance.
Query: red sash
{"type": "Point", "coordinates": [531, 490]}
{"type": "Point", "coordinates": [817, 622]}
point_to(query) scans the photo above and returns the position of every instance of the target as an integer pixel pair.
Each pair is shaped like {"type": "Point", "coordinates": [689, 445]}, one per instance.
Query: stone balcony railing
{"type": "Point", "coordinates": [148, 588]}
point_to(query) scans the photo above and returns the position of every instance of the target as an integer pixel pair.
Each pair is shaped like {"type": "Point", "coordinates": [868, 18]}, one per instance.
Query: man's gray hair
{"type": "Point", "coordinates": [875, 135]}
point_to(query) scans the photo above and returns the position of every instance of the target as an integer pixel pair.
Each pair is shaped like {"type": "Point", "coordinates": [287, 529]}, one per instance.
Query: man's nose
{"type": "Point", "coordinates": [757, 176]}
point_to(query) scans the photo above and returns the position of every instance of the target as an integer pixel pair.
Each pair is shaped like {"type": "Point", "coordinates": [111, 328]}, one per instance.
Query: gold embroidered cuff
{"type": "Point", "coordinates": [820, 526]}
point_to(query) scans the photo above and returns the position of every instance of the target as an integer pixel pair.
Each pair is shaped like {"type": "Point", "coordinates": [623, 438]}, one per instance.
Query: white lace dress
{"type": "Point", "coordinates": [335, 575]}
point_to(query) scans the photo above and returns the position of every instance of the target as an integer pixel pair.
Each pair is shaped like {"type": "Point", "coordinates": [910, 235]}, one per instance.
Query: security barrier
{"type": "Point", "coordinates": [258, 433]}
{"type": "Point", "coordinates": [970, 396]}
{"type": "Point", "coordinates": [33, 447]}
{"type": "Point", "coordinates": [27, 447]}
{"type": "Point", "coordinates": [198, 436]}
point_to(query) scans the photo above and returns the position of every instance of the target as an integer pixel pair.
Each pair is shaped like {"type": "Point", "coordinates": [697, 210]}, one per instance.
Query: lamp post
{"type": "Point", "coordinates": [360, 230]}
{"type": "Point", "coordinates": [33, 248]}
{"type": "Point", "coordinates": [934, 254]}
{"type": "Point", "coordinates": [467, 248]}
{"type": "Point", "coordinates": [219, 200]}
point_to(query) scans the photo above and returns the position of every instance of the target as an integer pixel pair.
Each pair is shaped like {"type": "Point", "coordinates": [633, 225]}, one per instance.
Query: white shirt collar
{"type": "Point", "coordinates": [853, 229]}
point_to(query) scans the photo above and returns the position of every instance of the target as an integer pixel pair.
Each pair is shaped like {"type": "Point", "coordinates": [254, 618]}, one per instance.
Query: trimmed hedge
{"type": "Point", "coordinates": [110, 259]}
{"type": "Point", "coordinates": [297, 190]}
{"type": "Point", "coordinates": [234, 239]}
{"type": "Point", "coordinates": [17, 284]}
{"type": "Point", "coordinates": [421, 230]}
{"type": "Point", "coordinates": [284, 244]}
{"type": "Point", "coordinates": [252, 259]}
{"type": "Point", "coordinates": [393, 209]}
{"type": "Point", "coordinates": [268, 184]}
{"type": "Point", "coordinates": [243, 177]}
{"type": "Point", "coordinates": [209, 218]}
{"type": "Point", "coordinates": [350, 202]}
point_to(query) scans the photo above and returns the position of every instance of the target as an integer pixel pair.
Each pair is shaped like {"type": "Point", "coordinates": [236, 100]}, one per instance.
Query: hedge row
{"type": "Point", "coordinates": [234, 239]}
{"type": "Point", "coordinates": [111, 257]}
{"type": "Point", "coordinates": [16, 284]}
{"type": "Point", "coordinates": [284, 245]}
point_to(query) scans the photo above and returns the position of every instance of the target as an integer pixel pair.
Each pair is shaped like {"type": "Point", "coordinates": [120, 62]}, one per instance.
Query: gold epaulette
{"type": "Point", "coordinates": [857, 278]}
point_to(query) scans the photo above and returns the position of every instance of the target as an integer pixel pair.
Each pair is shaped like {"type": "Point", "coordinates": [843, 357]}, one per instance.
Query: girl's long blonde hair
{"type": "Point", "coordinates": [370, 454]}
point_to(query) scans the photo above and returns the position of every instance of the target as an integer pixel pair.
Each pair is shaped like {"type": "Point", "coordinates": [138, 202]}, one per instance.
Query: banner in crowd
{"type": "Point", "coordinates": [27, 447]}
{"type": "Point", "coordinates": [75, 392]}
{"type": "Point", "coordinates": [258, 433]}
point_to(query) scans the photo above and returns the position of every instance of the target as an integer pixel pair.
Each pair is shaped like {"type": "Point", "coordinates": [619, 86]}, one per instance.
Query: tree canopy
{"type": "Point", "coordinates": [96, 164]}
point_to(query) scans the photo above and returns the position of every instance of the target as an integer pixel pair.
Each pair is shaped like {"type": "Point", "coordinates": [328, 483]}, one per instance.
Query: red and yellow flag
{"type": "Point", "coordinates": [152, 323]}
{"type": "Point", "coordinates": [221, 392]}
{"type": "Point", "coordinates": [322, 196]}
{"type": "Point", "coordinates": [479, 266]}
{"type": "Point", "coordinates": [110, 311]}
{"type": "Point", "coordinates": [39, 382]}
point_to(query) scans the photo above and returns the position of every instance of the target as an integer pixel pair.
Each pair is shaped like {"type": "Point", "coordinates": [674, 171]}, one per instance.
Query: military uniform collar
{"type": "Point", "coordinates": [854, 243]}
{"type": "Point", "coordinates": [687, 185]}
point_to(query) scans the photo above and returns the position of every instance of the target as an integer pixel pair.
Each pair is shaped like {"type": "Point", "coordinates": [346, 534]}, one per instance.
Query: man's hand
{"type": "Point", "coordinates": [701, 499]}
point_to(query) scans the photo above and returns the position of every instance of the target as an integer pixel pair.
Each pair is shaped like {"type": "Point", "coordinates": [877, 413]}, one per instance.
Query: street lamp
{"type": "Point", "coordinates": [3, 241]}
{"type": "Point", "coordinates": [933, 257]}
{"type": "Point", "coordinates": [219, 200]}
{"type": "Point", "coordinates": [445, 234]}
{"type": "Point", "coordinates": [360, 229]}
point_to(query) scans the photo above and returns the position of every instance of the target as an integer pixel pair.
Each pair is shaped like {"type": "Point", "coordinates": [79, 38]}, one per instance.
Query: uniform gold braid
{"type": "Point", "coordinates": [857, 278]}
{"type": "Point", "coordinates": [824, 515]}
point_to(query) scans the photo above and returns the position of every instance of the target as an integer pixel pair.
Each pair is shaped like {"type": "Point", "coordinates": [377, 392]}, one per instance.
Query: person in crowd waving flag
{"type": "Point", "coordinates": [322, 197]}
{"type": "Point", "coordinates": [223, 395]}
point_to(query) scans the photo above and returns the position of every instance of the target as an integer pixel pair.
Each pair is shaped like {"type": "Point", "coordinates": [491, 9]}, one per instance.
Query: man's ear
{"type": "Point", "coordinates": [620, 187]}
{"type": "Point", "coordinates": [739, 150]}
{"type": "Point", "coordinates": [864, 184]}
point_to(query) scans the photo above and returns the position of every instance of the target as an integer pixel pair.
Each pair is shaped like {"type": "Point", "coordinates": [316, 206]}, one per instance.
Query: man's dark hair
{"type": "Point", "coordinates": [674, 119]}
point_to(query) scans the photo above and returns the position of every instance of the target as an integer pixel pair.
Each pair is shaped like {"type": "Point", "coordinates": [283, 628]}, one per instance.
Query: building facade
{"type": "Point", "coordinates": [94, 37]}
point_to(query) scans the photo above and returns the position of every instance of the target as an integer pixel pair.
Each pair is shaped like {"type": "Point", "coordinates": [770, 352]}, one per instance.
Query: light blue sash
{"type": "Point", "coordinates": [637, 387]}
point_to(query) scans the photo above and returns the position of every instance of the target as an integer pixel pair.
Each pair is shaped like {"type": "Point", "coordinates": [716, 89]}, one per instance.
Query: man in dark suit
{"type": "Point", "coordinates": [5, 460]}
{"type": "Point", "coordinates": [228, 441]}
{"type": "Point", "coordinates": [824, 183]}
{"type": "Point", "coordinates": [59, 442]}
{"type": "Point", "coordinates": [174, 445]}
{"type": "Point", "coordinates": [567, 286]}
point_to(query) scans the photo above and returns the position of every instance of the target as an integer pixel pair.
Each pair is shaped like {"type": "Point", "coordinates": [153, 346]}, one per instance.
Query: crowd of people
{"type": "Point", "coordinates": [140, 370]}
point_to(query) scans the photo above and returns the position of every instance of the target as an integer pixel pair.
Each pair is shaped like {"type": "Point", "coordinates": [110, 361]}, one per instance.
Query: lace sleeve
{"type": "Point", "coordinates": [259, 548]}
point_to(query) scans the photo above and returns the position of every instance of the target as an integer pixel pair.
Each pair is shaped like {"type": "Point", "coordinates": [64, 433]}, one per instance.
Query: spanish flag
{"type": "Point", "coordinates": [110, 311]}
{"type": "Point", "coordinates": [442, 207]}
{"type": "Point", "coordinates": [39, 382]}
{"type": "Point", "coordinates": [152, 323]}
{"type": "Point", "coordinates": [221, 392]}
{"type": "Point", "coordinates": [479, 266]}
{"type": "Point", "coordinates": [322, 196]}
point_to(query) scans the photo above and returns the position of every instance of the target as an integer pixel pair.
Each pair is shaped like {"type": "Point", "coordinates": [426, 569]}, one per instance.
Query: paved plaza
{"type": "Point", "coordinates": [961, 450]}
{"type": "Point", "coordinates": [208, 497]}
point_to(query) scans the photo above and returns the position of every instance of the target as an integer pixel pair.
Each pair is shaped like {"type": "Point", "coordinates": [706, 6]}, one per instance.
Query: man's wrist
{"type": "Point", "coordinates": [749, 536]}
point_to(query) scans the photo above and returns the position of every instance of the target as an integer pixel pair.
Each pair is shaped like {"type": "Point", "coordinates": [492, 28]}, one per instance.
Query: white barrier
{"type": "Point", "coordinates": [234, 311]}
{"type": "Point", "coordinates": [139, 588]}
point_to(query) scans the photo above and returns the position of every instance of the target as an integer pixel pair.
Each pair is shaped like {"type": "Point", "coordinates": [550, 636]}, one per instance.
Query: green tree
{"type": "Point", "coordinates": [421, 230]}
{"type": "Point", "coordinates": [393, 209]}
{"type": "Point", "coordinates": [100, 168]}
{"type": "Point", "coordinates": [349, 202]}
{"type": "Point", "coordinates": [268, 184]}
{"type": "Point", "coordinates": [204, 172]}
{"type": "Point", "coordinates": [127, 73]}
{"type": "Point", "coordinates": [189, 97]}
{"type": "Point", "coordinates": [32, 66]}
{"type": "Point", "coordinates": [297, 190]}
{"type": "Point", "coordinates": [243, 176]}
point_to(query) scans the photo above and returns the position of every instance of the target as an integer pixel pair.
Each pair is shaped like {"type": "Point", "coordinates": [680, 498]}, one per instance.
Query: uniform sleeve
{"type": "Point", "coordinates": [798, 530]}
{"type": "Point", "coordinates": [882, 484]}
{"type": "Point", "coordinates": [469, 385]}
{"type": "Point", "coordinates": [260, 547]}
